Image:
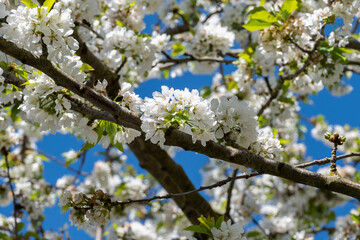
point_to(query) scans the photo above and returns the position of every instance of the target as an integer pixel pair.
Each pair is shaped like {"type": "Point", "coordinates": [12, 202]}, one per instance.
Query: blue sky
{"type": "Point", "coordinates": [338, 110]}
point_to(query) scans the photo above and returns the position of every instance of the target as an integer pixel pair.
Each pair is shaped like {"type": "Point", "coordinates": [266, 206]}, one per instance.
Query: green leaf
{"type": "Point", "coordinates": [254, 25]}
{"type": "Point", "coordinates": [119, 146]}
{"type": "Point", "coordinates": [205, 92]}
{"type": "Point", "coordinates": [34, 195]}
{"type": "Point", "coordinates": [288, 7]}
{"type": "Point", "coordinates": [119, 23]}
{"type": "Point", "coordinates": [275, 132]}
{"type": "Point", "coordinates": [3, 236]}
{"type": "Point", "coordinates": [32, 234]}
{"type": "Point", "coordinates": [14, 111]}
{"type": "Point", "coordinates": [69, 161]}
{"type": "Point", "coordinates": [356, 218]}
{"type": "Point", "coordinates": [110, 129]}
{"type": "Point", "coordinates": [209, 223]}
{"type": "Point", "coordinates": [198, 229]}
{"type": "Point", "coordinates": [86, 67]}
{"type": "Point", "coordinates": [265, 16]}
{"type": "Point", "coordinates": [166, 73]}
{"type": "Point", "coordinates": [29, 3]}
{"type": "Point", "coordinates": [132, 4]}
{"type": "Point", "coordinates": [48, 4]}
{"type": "Point", "coordinates": [286, 100]}
{"type": "Point", "coordinates": [252, 234]}
{"type": "Point", "coordinates": [178, 49]}
{"type": "Point", "coordinates": [282, 141]}
{"type": "Point", "coordinates": [232, 85]}
{"type": "Point", "coordinates": [219, 222]}
{"type": "Point", "coordinates": [121, 188]}
{"type": "Point", "coordinates": [20, 226]}
{"type": "Point", "coordinates": [87, 146]}
{"type": "Point", "coordinates": [64, 208]}
{"type": "Point", "coordinates": [245, 56]}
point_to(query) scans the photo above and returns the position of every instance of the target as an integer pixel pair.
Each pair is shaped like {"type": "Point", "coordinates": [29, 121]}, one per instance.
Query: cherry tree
{"type": "Point", "coordinates": [74, 67]}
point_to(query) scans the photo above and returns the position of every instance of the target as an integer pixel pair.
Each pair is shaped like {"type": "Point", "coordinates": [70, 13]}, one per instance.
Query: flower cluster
{"type": "Point", "coordinates": [180, 109]}
{"type": "Point", "coordinates": [266, 145]}
{"type": "Point", "coordinates": [29, 28]}
{"type": "Point", "coordinates": [85, 211]}
{"type": "Point", "coordinates": [236, 119]}
{"type": "Point", "coordinates": [229, 231]}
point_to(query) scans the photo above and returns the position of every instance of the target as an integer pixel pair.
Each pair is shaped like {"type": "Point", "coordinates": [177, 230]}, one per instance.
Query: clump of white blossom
{"type": "Point", "coordinates": [184, 110]}
{"type": "Point", "coordinates": [236, 119]}
{"type": "Point", "coordinates": [29, 28]}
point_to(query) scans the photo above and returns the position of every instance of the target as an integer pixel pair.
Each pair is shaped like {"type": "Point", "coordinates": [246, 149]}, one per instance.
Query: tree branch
{"type": "Point", "coordinates": [177, 138]}
{"type": "Point", "coordinates": [6, 156]}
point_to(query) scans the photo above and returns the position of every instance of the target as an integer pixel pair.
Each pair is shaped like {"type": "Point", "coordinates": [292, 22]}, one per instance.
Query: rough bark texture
{"type": "Point", "coordinates": [172, 177]}
{"type": "Point", "coordinates": [175, 137]}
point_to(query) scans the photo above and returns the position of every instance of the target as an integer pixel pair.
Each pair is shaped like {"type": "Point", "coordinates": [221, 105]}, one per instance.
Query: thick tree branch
{"type": "Point", "coordinates": [101, 71]}
{"type": "Point", "coordinates": [177, 138]}
{"type": "Point", "coordinates": [172, 177]}
{"type": "Point", "coordinates": [157, 162]}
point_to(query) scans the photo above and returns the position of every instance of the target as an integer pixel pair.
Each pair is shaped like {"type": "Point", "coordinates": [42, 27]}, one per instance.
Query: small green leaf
{"type": "Point", "coordinates": [119, 23]}
{"type": "Point", "coordinates": [64, 208]}
{"type": "Point", "coordinates": [110, 129]}
{"type": "Point", "coordinates": [356, 218]}
{"type": "Point", "coordinates": [254, 25]}
{"type": "Point", "coordinates": [205, 92]}
{"type": "Point", "coordinates": [198, 229]}
{"type": "Point", "coordinates": [69, 161]}
{"type": "Point", "coordinates": [252, 234]}
{"type": "Point", "coordinates": [275, 132]}
{"type": "Point", "coordinates": [121, 188]}
{"type": "Point", "coordinates": [282, 141]}
{"type": "Point", "coordinates": [14, 111]}
{"type": "Point", "coordinates": [87, 146]}
{"type": "Point", "coordinates": [29, 3]}
{"type": "Point", "coordinates": [20, 226]}
{"type": "Point", "coordinates": [178, 49]}
{"type": "Point", "coordinates": [86, 67]}
{"type": "Point", "coordinates": [219, 221]}
{"type": "Point", "coordinates": [34, 195]}
{"type": "Point", "coordinates": [132, 4]}
{"type": "Point", "coordinates": [288, 7]}
{"type": "Point", "coordinates": [119, 146]}
{"type": "Point", "coordinates": [3, 236]}
{"type": "Point", "coordinates": [286, 100]}
{"type": "Point", "coordinates": [32, 234]}
{"type": "Point", "coordinates": [48, 4]}
{"type": "Point", "coordinates": [246, 57]}
{"type": "Point", "coordinates": [232, 85]}
{"type": "Point", "coordinates": [166, 73]}
{"type": "Point", "coordinates": [265, 16]}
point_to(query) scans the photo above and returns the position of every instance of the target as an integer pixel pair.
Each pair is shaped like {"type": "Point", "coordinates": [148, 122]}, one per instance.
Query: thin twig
{"type": "Point", "coordinates": [298, 46]}
{"type": "Point", "coordinates": [6, 155]}
{"type": "Point", "coordinates": [175, 195]}
{"type": "Point", "coordinates": [229, 195]}
{"type": "Point", "coordinates": [333, 170]}
{"type": "Point", "coordinates": [172, 62]}
{"type": "Point", "coordinates": [268, 85]}
{"type": "Point", "coordinates": [356, 25]}
{"type": "Point", "coordinates": [327, 160]}
{"type": "Point", "coordinates": [61, 163]}
{"type": "Point", "coordinates": [82, 161]}
{"type": "Point", "coordinates": [211, 14]}
{"type": "Point", "coordinates": [259, 226]}
{"type": "Point", "coordinates": [120, 67]}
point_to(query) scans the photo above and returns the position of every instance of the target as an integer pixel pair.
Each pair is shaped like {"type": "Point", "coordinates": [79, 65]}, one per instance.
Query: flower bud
{"type": "Point", "coordinates": [327, 135]}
